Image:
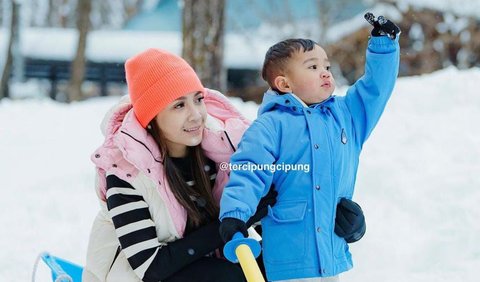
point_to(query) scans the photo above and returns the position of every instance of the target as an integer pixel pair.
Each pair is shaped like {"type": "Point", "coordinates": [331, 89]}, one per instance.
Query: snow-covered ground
{"type": "Point", "coordinates": [418, 182]}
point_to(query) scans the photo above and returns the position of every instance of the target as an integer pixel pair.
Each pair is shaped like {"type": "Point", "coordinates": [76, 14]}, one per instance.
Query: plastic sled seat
{"type": "Point", "coordinates": [62, 270]}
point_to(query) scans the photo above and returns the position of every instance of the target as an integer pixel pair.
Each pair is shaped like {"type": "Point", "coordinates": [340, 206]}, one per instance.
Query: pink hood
{"type": "Point", "coordinates": [128, 149]}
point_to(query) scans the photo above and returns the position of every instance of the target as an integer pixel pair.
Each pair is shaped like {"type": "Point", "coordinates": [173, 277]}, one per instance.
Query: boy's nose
{"type": "Point", "coordinates": [325, 74]}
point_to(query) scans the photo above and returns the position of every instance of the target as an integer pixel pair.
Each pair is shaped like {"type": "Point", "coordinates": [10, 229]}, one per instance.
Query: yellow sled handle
{"type": "Point", "coordinates": [244, 250]}
{"type": "Point", "coordinates": [249, 264]}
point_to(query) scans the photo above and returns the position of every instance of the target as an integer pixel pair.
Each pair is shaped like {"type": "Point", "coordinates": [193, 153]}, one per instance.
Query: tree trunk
{"type": "Point", "coordinates": [7, 69]}
{"type": "Point", "coordinates": [3, 12]}
{"type": "Point", "coordinates": [77, 70]}
{"type": "Point", "coordinates": [203, 33]}
{"type": "Point", "coordinates": [51, 15]}
{"type": "Point", "coordinates": [327, 12]}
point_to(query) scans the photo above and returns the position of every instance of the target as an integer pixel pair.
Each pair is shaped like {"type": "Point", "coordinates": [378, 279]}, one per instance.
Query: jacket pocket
{"type": "Point", "coordinates": [340, 247]}
{"type": "Point", "coordinates": [284, 236]}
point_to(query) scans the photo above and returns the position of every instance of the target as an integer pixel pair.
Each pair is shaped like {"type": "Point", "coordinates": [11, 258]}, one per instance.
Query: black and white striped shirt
{"type": "Point", "coordinates": [151, 260]}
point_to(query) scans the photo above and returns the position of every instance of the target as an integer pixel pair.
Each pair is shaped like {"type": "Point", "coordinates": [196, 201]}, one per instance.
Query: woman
{"type": "Point", "coordinates": [158, 178]}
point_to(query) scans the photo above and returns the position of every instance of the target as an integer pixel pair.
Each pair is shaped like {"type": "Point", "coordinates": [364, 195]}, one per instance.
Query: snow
{"type": "Point", "coordinates": [418, 182]}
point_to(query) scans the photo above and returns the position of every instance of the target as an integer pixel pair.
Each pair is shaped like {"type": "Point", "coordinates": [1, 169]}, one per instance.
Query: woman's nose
{"type": "Point", "coordinates": [194, 113]}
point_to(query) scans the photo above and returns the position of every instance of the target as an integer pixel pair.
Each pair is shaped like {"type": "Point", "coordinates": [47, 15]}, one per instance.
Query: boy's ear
{"type": "Point", "coordinates": [281, 83]}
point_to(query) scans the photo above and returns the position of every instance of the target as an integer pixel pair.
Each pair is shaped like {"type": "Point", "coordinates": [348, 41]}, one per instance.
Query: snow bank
{"type": "Point", "coordinates": [418, 182]}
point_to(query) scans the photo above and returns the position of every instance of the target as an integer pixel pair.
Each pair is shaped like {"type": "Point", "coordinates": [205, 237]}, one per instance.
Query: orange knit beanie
{"type": "Point", "coordinates": [155, 78]}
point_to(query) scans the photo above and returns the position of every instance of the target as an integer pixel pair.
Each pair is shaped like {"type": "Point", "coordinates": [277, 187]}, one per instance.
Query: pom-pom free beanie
{"type": "Point", "coordinates": [155, 78]}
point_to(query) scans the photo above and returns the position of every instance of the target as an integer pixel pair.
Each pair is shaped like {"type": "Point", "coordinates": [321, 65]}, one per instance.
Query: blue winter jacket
{"type": "Point", "coordinates": [298, 236]}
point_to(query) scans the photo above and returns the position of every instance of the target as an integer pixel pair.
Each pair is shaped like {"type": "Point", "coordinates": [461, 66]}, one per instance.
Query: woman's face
{"type": "Point", "coordinates": [181, 123]}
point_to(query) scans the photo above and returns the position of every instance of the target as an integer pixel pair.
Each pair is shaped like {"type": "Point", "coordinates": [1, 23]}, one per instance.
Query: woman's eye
{"type": "Point", "coordinates": [199, 99]}
{"type": "Point", "coordinates": [179, 105]}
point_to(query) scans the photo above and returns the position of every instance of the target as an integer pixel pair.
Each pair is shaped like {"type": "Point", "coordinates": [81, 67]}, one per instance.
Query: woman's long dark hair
{"type": "Point", "coordinates": [182, 191]}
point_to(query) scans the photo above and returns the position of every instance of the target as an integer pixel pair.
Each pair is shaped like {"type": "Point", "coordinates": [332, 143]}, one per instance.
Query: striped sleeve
{"type": "Point", "coordinates": [135, 229]}
{"type": "Point", "coordinates": [133, 223]}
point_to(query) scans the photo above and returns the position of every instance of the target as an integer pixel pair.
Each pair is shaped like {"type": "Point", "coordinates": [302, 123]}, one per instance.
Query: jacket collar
{"type": "Point", "coordinates": [273, 99]}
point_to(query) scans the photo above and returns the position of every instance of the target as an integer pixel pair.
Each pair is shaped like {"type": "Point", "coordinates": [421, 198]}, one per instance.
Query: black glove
{"type": "Point", "coordinates": [382, 26]}
{"type": "Point", "coordinates": [262, 209]}
{"type": "Point", "coordinates": [349, 221]}
{"type": "Point", "coordinates": [229, 226]}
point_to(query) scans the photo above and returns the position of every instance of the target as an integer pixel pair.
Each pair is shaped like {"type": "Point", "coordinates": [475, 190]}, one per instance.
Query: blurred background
{"type": "Point", "coordinates": [75, 49]}
{"type": "Point", "coordinates": [62, 68]}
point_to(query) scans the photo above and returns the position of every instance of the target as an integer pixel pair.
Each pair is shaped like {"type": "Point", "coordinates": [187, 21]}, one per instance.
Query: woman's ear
{"type": "Point", "coordinates": [281, 83]}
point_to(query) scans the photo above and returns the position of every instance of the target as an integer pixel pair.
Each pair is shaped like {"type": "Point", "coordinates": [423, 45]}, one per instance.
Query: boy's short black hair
{"type": "Point", "coordinates": [278, 55]}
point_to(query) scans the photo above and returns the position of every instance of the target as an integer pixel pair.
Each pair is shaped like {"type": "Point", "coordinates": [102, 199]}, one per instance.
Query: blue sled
{"type": "Point", "coordinates": [62, 270]}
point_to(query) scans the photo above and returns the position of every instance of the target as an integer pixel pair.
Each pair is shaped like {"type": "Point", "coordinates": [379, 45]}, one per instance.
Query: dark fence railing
{"type": "Point", "coordinates": [57, 70]}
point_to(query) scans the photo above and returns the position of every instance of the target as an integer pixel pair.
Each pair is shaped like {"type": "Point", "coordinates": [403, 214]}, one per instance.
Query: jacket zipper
{"type": "Point", "coordinates": [334, 202]}
{"type": "Point", "coordinates": [146, 147]}
{"type": "Point", "coordinates": [230, 141]}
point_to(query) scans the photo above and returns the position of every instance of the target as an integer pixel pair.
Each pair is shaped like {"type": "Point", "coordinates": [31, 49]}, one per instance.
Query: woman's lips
{"type": "Point", "coordinates": [195, 129]}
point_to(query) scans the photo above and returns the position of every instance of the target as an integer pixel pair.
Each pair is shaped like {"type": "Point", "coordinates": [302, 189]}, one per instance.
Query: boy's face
{"type": "Point", "coordinates": [308, 76]}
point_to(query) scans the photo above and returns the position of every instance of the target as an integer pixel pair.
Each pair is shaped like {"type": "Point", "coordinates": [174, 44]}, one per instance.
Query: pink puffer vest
{"type": "Point", "coordinates": [128, 149]}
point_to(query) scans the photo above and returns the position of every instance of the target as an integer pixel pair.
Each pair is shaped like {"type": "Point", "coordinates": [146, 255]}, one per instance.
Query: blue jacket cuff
{"type": "Point", "coordinates": [383, 44]}
{"type": "Point", "coordinates": [235, 214]}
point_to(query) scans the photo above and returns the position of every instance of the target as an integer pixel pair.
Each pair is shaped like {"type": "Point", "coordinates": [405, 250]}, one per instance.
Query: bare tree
{"type": "Point", "coordinates": [59, 11]}
{"type": "Point", "coordinates": [3, 12]}
{"type": "Point", "coordinates": [7, 69]}
{"type": "Point", "coordinates": [77, 69]}
{"type": "Point", "coordinates": [327, 12]}
{"type": "Point", "coordinates": [203, 40]}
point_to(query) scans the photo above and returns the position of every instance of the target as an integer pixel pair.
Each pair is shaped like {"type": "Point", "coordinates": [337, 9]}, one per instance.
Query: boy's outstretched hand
{"type": "Point", "coordinates": [349, 221]}
{"type": "Point", "coordinates": [382, 26]}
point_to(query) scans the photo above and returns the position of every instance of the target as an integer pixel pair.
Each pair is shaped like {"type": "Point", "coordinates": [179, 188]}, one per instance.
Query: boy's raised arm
{"type": "Point", "coordinates": [367, 98]}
